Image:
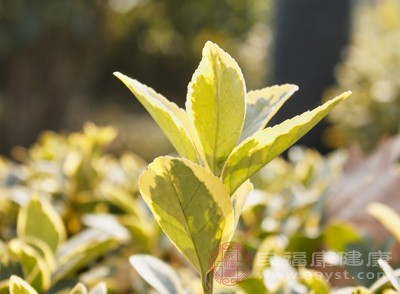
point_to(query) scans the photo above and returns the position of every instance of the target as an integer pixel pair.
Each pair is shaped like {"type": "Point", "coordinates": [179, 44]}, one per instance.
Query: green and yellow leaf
{"type": "Point", "coordinates": [99, 288]}
{"type": "Point", "coordinates": [261, 106]}
{"type": "Point", "coordinates": [361, 290]}
{"type": "Point", "coordinates": [239, 199]}
{"type": "Point", "coordinates": [33, 265]}
{"type": "Point", "coordinates": [314, 281]}
{"type": "Point", "coordinates": [171, 119]}
{"type": "Point", "coordinates": [82, 249]}
{"type": "Point", "coordinates": [255, 152]}
{"type": "Point", "coordinates": [389, 291]}
{"type": "Point", "coordinates": [40, 220]}
{"type": "Point", "coordinates": [19, 286]}
{"type": "Point", "coordinates": [348, 234]}
{"type": "Point", "coordinates": [4, 287]}
{"type": "Point", "coordinates": [157, 273]}
{"type": "Point", "coordinates": [79, 289]}
{"type": "Point", "coordinates": [253, 285]}
{"type": "Point", "coordinates": [216, 104]}
{"type": "Point", "coordinates": [44, 250]}
{"type": "Point", "coordinates": [387, 216]}
{"type": "Point", "coordinates": [191, 205]}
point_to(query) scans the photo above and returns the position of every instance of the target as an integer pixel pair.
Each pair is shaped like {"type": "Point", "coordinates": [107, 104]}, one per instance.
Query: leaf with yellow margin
{"type": "Point", "coordinates": [40, 220]}
{"type": "Point", "coordinates": [171, 119]}
{"type": "Point", "coordinates": [216, 104]}
{"type": "Point", "coordinates": [261, 106]}
{"type": "Point", "coordinates": [157, 273]}
{"type": "Point", "coordinates": [387, 216]}
{"type": "Point", "coordinates": [33, 265]}
{"type": "Point", "coordinates": [191, 205]}
{"type": "Point", "coordinates": [19, 286]}
{"type": "Point", "coordinates": [79, 289]}
{"type": "Point", "coordinates": [256, 151]}
{"type": "Point", "coordinates": [239, 199]}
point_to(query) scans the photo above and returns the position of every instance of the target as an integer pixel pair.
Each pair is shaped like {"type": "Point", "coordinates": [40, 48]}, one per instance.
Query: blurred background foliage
{"type": "Point", "coordinates": [95, 195]}
{"type": "Point", "coordinates": [58, 56]}
{"type": "Point", "coordinates": [57, 59]}
{"type": "Point", "coordinates": [96, 209]}
{"type": "Point", "coordinates": [371, 69]}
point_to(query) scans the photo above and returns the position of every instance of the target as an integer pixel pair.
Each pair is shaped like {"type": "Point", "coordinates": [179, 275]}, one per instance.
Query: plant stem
{"type": "Point", "coordinates": [208, 282]}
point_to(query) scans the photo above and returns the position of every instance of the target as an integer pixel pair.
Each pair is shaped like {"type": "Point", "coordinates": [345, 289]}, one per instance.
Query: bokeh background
{"type": "Point", "coordinates": [57, 58]}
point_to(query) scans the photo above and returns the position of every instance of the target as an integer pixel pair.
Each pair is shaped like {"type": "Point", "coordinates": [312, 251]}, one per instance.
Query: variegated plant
{"type": "Point", "coordinates": [41, 256]}
{"type": "Point", "coordinates": [197, 199]}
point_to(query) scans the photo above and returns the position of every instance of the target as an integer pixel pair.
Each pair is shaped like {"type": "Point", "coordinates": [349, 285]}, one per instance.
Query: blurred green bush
{"type": "Point", "coordinates": [69, 184]}
{"type": "Point", "coordinates": [70, 213]}
{"type": "Point", "coordinates": [371, 70]}
{"type": "Point", "coordinates": [57, 55]}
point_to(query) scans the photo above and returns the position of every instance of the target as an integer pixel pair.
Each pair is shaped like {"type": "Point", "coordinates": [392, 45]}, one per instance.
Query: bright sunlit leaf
{"type": "Point", "coordinates": [261, 106]}
{"type": "Point", "coordinates": [191, 205]}
{"type": "Point", "coordinates": [216, 104]}
{"type": "Point", "coordinates": [171, 119]}
{"type": "Point", "coordinates": [239, 199]}
{"type": "Point", "coordinates": [256, 151]}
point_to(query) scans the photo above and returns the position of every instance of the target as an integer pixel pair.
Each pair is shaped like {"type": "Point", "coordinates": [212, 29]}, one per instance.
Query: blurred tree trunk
{"type": "Point", "coordinates": [310, 36]}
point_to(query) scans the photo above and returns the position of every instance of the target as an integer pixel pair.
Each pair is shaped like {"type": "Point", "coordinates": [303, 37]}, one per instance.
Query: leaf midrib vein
{"type": "Point", "coordinates": [186, 220]}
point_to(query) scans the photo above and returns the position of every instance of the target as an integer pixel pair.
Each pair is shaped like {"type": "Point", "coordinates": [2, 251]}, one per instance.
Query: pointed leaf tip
{"type": "Point", "coordinates": [79, 289]}
{"type": "Point", "coordinates": [256, 151]}
{"type": "Point", "coordinates": [216, 104]}
{"type": "Point", "coordinates": [170, 118]}
{"type": "Point", "coordinates": [261, 106]}
{"type": "Point", "coordinates": [20, 286]}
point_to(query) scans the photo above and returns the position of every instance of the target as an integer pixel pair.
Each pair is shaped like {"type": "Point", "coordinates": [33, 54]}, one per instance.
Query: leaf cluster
{"type": "Point", "coordinates": [67, 206]}
{"type": "Point", "coordinates": [197, 199]}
